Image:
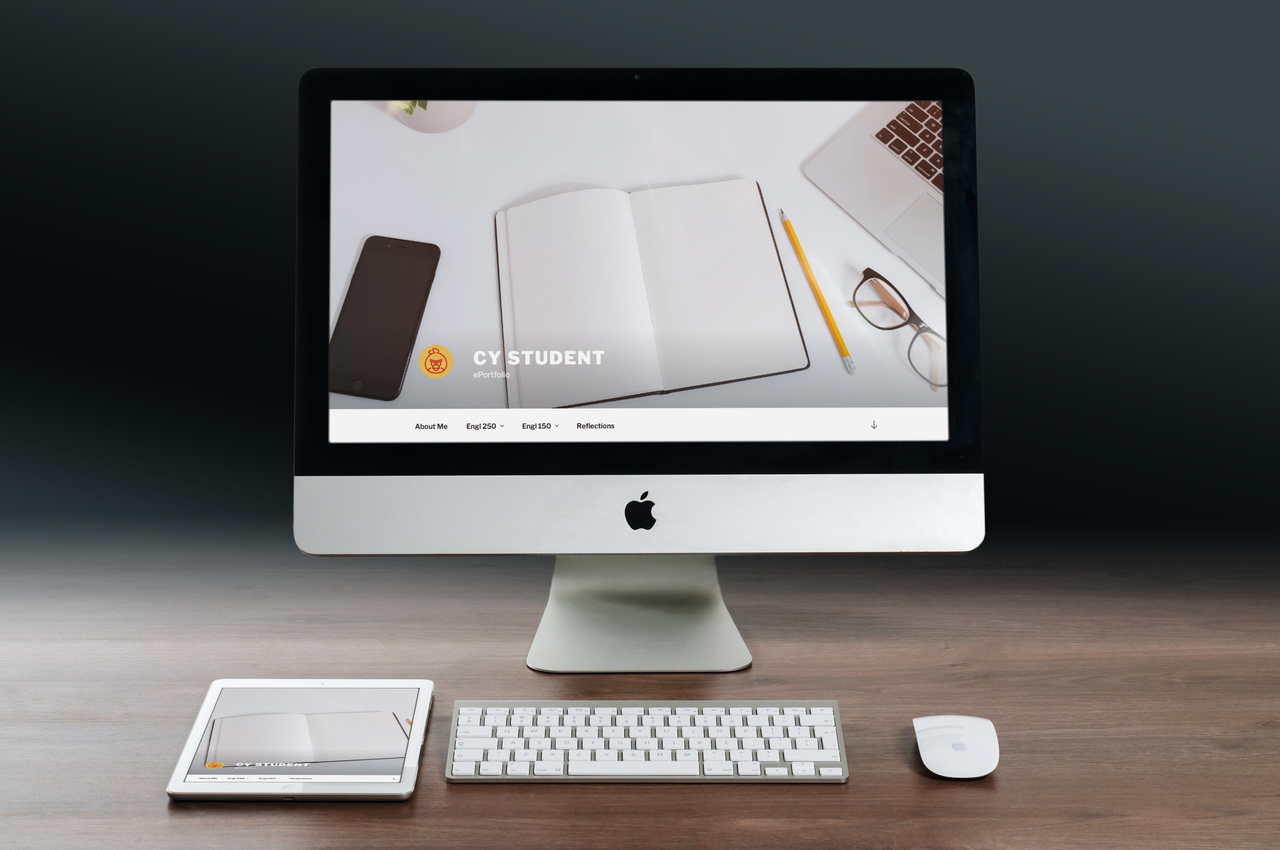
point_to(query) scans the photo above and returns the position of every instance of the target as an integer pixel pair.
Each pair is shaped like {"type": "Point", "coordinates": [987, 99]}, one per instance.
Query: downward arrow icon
{"type": "Point", "coordinates": [873, 424]}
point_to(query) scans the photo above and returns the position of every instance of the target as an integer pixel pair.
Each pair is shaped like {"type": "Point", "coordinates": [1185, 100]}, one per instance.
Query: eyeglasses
{"type": "Point", "coordinates": [883, 306]}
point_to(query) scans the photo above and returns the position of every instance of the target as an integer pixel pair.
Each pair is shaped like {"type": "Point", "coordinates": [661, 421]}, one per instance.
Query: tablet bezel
{"type": "Point", "coordinates": [314, 455]}
{"type": "Point", "coordinates": [180, 789]}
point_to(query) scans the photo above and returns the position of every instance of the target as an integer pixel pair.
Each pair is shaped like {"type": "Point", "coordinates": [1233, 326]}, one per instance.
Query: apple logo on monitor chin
{"type": "Point", "coordinates": [640, 514]}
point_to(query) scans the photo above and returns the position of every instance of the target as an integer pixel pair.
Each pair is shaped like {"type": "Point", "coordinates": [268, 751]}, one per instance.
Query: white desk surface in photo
{"type": "Point", "coordinates": [444, 188]}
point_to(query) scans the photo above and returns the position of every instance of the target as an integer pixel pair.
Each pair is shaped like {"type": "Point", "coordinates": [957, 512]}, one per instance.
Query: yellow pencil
{"type": "Point", "coordinates": [817, 293]}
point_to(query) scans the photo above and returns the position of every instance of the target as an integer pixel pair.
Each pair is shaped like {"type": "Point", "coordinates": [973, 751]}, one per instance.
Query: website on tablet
{"type": "Point", "coordinates": [306, 735]}
{"type": "Point", "coordinates": [533, 271]}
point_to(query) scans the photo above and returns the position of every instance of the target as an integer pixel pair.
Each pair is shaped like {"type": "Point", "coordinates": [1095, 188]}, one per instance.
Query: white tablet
{"type": "Point", "coordinates": [305, 739]}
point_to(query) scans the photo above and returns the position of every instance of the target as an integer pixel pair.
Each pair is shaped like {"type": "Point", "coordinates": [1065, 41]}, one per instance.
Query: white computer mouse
{"type": "Point", "coordinates": [956, 746]}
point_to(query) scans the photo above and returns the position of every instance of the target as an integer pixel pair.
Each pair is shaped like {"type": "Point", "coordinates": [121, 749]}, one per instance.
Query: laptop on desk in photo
{"type": "Point", "coordinates": [898, 203]}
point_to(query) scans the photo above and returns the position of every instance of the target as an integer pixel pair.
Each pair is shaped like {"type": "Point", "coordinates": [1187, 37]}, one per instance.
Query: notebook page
{"type": "Point", "coordinates": [261, 738]}
{"type": "Point", "coordinates": [573, 271]}
{"type": "Point", "coordinates": [720, 305]}
{"type": "Point", "coordinates": [354, 735]}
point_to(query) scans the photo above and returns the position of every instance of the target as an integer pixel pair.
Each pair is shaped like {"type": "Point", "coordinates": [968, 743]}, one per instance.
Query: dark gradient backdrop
{"type": "Point", "coordinates": [1127, 194]}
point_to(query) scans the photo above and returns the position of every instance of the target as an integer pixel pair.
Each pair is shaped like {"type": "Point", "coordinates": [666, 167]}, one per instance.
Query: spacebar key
{"type": "Point", "coordinates": [635, 768]}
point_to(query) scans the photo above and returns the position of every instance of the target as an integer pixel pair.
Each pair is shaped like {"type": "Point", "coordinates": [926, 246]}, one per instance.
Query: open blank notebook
{"type": "Point", "coordinates": [345, 736]}
{"type": "Point", "coordinates": [679, 288]}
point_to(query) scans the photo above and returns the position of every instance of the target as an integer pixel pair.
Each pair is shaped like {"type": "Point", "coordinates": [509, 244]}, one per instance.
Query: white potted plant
{"type": "Point", "coordinates": [434, 116]}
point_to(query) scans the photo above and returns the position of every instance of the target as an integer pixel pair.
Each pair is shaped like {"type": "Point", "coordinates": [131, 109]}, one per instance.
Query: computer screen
{"type": "Point", "coordinates": [581, 272]}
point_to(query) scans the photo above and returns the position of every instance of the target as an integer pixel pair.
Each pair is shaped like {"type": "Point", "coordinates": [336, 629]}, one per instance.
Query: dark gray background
{"type": "Point", "coordinates": [1127, 185]}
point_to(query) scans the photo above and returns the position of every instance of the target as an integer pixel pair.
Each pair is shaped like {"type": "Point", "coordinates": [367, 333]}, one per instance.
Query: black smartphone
{"type": "Point", "coordinates": [372, 342]}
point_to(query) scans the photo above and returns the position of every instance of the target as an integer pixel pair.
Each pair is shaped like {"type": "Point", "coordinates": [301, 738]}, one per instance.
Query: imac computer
{"type": "Point", "coordinates": [635, 319]}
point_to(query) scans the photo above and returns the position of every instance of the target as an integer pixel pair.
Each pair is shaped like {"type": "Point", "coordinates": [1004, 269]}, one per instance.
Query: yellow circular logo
{"type": "Point", "coordinates": [435, 361]}
{"type": "Point", "coordinates": [215, 764]}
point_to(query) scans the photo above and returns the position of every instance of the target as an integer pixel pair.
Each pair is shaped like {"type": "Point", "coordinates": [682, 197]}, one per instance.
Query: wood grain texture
{"type": "Point", "coordinates": [1135, 687]}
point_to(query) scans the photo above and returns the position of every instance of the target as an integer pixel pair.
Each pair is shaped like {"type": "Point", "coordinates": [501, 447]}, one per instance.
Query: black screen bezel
{"type": "Point", "coordinates": [314, 455]}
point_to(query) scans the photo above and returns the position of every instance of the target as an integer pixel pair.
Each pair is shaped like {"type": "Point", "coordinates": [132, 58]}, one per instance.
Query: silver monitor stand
{"type": "Point", "coordinates": [634, 614]}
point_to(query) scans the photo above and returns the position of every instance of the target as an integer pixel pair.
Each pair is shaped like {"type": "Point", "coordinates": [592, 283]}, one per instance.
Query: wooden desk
{"type": "Point", "coordinates": [1135, 688]}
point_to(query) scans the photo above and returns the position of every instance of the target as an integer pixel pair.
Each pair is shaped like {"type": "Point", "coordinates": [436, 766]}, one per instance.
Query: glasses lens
{"type": "Point", "coordinates": [928, 356]}
{"type": "Point", "coordinates": [880, 304]}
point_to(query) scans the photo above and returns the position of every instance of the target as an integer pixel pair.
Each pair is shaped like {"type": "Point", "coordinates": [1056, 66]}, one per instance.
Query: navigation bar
{"type": "Point", "coordinates": [639, 425]}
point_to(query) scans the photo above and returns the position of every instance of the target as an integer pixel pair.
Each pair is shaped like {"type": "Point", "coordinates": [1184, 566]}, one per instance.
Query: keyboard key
{"type": "Point", "coordinates": [635, 768]}
{"type": "Point", "coordinates": [713, 711]}
{"type": "Point", "coordinates": [633, 711]}
{"type": "Point", "coordinates": [687, 755]}
{"type": "Point", "coordinates": [518, 768]}
{"type": "Point", "coordinates": [905, 135]}
{"type": "Point", "coordinates": [935, 111]}
{"type": "Point", "coordinates": [808, 744]}
{"type": "Point", "coordinates": [937, 182]}
{"type": "Point", "coordinates": [812, 755]}
{"type": "Point", "coordinates": [711, 768]}
{"type": "Point", "coordinates": [713, 755]}
{"type": "Point", "coordinates": [605, 711]}
{"type": "Point", "coordinates": [768, 711]}
{"type": "Point", "coordinates": [936, 160]}
{"type": "Point", "coordinates": [470, 710]}
{"type": "Point", "coordinates": [741, 755]}
{"type": "Point", "coordinates": [464, 768]}
{"type": "Point", "coordinates": [768, 755]}
{"type": "Point", "coordinates": [579, 710]}
{"type": "Point", "coordinates": [475, 732]}
{"type": "Point", "coordinates": [491, 768]}
{"type": "Point", "coordinates": [907, 121]}
{"type": "Point", "coordinates": [525, 755]}
{"type": "Point", "coordinates": [660, 710]}
{"type": "Point", "coordinates": [633, 755]}
{"type": "Point", "coordinates": [469, 720]}
{"type": "Point", "coordinates": [544, 768]}
{"type": "Point", "coordinates": [831, 771]}
{"type": "Point", "coordinates": [823, 709]}
{"type": "Point", "coordinates": [933, 126]}
{"type": "Point", "coordinates": [579, 755]}
{"type": "Point", "coordinates": [917, 113]}
{"type": "Point", "coordinates": [926, 169]}
{"type": "Point", "coordinates": [802, 768]}
{"type": "Point", "coordinates": [741, 711]}
{"type": "Point", "coordinates": [660, 755]}
{"type": "Point", "coordinates": [776, 771]}
{"type": "Point", "coordinates": [910, 157]}
{"type": "Point", "coordinates": [748, 768]}
{"type": "Point", "coordinates": [468, 755]}
{"type": "Point", "coordinates": [792, 711]}
{"type": "Point", "coordinates": [686, 711]}
{"type": "Point", "coordinates": [926, 136]}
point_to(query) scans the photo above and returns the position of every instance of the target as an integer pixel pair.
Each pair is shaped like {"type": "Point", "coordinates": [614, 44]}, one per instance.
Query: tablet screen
{"type": "Point", "coordinates": [306, 735]}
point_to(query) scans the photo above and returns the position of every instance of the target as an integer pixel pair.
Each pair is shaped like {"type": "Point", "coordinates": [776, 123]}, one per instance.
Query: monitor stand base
{"type": "Point", "coordinates": [637, 614]}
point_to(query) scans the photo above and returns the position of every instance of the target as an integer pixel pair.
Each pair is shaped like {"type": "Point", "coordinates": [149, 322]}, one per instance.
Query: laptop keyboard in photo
{"type": "Point", "coordinates": [915, 137]}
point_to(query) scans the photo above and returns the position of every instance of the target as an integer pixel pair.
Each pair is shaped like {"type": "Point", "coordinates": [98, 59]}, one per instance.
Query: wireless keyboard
{"type": "Point", "coordinates": [647, 741]}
